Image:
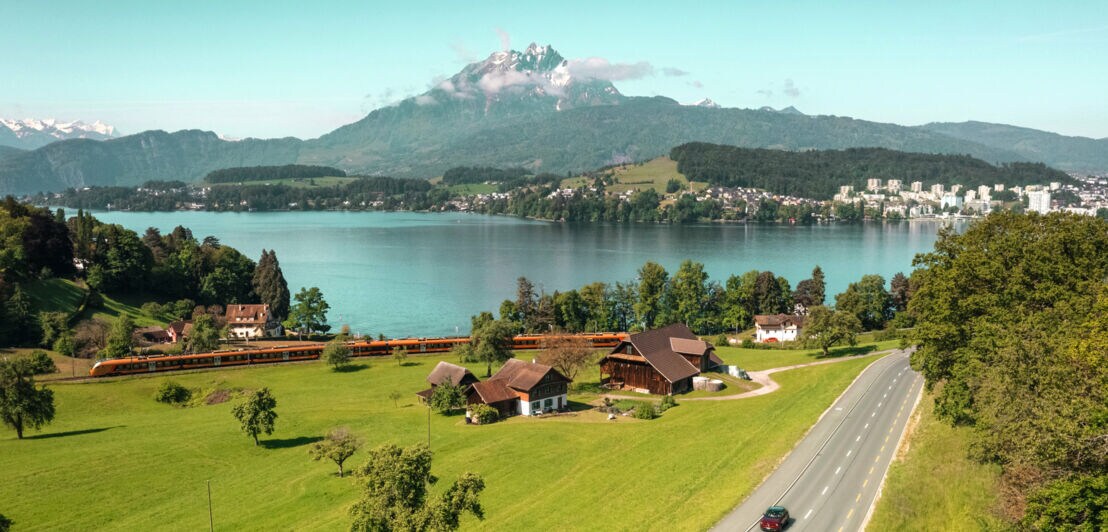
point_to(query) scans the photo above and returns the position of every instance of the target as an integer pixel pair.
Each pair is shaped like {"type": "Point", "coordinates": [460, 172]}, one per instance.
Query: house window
{"type": "Point", "coordinates": [549, 403]}
{"type": "Point", "coordinates": [534, 407]}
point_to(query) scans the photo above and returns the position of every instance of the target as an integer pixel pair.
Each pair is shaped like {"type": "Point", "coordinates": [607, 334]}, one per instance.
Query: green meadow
{"type": "Point", "coordinates": [116, 459]}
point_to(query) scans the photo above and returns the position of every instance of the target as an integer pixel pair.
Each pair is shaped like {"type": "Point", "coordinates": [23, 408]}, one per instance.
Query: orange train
{"type": "Point", "coordinates": [268, 355]}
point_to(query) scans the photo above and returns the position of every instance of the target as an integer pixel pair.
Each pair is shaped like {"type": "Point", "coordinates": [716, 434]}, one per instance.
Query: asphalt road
{"type": "Point", "coordinates": [831, 479]}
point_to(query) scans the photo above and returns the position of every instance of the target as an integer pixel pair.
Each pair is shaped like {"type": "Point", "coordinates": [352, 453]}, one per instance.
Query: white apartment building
{"type": "Point", "coordinates": [893, 185]}
{"type": "Point", "coordinates": [1038, 201]}
{"type": "Point", "coordinates": [873, 185]}
{"type": "Point", "coordinates": [917, 186]}
{"type": "Point", "coordinates": [937, 190]}
{"type": "Point", "coordinates": [999, 187]}
{"type": "Point", "coordinates": [951, 200]}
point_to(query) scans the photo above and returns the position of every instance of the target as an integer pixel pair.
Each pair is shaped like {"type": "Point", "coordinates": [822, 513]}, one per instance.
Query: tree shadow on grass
{"type": "Point", "coordinates": [411, 363]}
{"type": "Point", "coordinates": [351, 368]}
{"type": "Point", "coordinates": [841, 352]}
{"type": "Point", "coordinates": [70, 433]}
{"type": "Point", "coordinates": [290, 442]}
{"type": "Point", "coordinates": [574, 406]}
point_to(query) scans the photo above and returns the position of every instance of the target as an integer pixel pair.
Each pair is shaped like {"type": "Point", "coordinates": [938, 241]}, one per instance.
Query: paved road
{"type": "Point", "coordinates": [831, 479]}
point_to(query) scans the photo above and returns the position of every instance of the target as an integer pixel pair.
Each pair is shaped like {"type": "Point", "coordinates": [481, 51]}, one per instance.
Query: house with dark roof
{"type": "Point", "coordinates": [777, 327]}
{"type": "Point", "coordinates": [179, 330]}
{"type": "Point", "coordinates": [522, 387]}
{"type": "Point", "coordinates": [446, 372]}
{"type": "Point", "coordinates": [662, 361]}
{"type": "Point", "coordinates": [251, 321]}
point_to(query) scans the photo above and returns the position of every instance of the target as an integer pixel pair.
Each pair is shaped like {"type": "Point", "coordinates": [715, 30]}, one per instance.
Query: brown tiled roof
{"type": "Point", "coordinates": [455, 373]}
{"type": "Point", "coordinates": [524, 376]}
{"type": "Point", "coordinates": [426, 394]}
{"type": "Point", "coordinates": [247, 315]}
{"type": "Point", "coordinates": [774, 320]}
{"type": "Point", "coordinates": [656, 347]}
{"type": "Point", "coordinates": [688, 347]}
{"type": "Point", "coordinates": [494, 391]}
{"type": "Point", "coordinates": [715, 359]}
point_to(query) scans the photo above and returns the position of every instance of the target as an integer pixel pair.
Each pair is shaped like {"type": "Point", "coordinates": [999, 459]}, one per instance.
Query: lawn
{"type": "Point", "coordinates": [471, 189]}
{"type": "Point", "coordinates": [55, 295]}
{"type": "Point", "coordinates": [654, 173]}
{"type": "Point", "coordinates": [760, 359]}
{"type": "Point", "coordinates": [934, 486]}
{"type": "Point", "coordinates": [114, 458]}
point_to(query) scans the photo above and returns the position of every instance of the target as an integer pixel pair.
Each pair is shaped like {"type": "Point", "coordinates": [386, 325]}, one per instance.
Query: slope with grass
{"type": "Point", "coordinates": [935, 486]}
{"type": "Point", "coordinates": [56, 295]}
{"type": "Point", "coordinates": [116, 459]}
{"type": "Point", "coordinates": [653, 174]}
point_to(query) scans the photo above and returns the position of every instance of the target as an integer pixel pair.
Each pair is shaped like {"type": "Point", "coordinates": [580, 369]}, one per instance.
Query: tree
{"type": "Point", "coordinates": [825, 327]}
{"type": "Point", "coordinates": [567, 354]}
{"type": "Point", "coordinates": [256, 413]}
{"type": "Point", "coordinates": [65, 345]}
{"type": "Point", "coordinates": [394, 485]}
{"type": "Point", "coordinates": [526, 304]}
{"type": "Point", "coordinates": [41, 363]}
{"type": "Point", "coordinates": [810, 292]}
{"type": "Point", "coordinates": [689, 292]}
{"type": "Point", "coordinates": [395, 396]}
{"type": "Point", "coordinates": [447, 396]}
{"type": "Point", "coordinates": [868, 300]}
{"type": "Point", "coordinates": [771, 294]}
{"type": "Point", "coordinates": [899, 292]}
{"type": "Point", "coordinates": [337, 353]}
{"type": "Point", "coordinates": [120, 340]}
{"type": "Point", "coordinates": [270, 285]}
{"type": "Point", "coordinates": [53, 325]}
{"type": "Point", "coordinates": [652, 287]}
{"type": "Point", "coordinates": [309, 314]}
{"type": "Point", "coordinates": [399, 354]}
{"type": "Point", "coordinates": [492, 343]}
{"type": "Point", "coordinates": [5, 523]}
{"type": "Point", "coordinates": [23, 405]}
{"type": "Point", "coordinates": [204, 337]}
{"type": "Point", "coordinates": [337, 446]}
{"type": "Point", "coordinates": [1078, 503]}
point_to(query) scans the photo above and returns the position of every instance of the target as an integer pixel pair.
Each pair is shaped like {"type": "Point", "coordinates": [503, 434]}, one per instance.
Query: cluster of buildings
{"type": "Point", "coordinates": [245, 322]}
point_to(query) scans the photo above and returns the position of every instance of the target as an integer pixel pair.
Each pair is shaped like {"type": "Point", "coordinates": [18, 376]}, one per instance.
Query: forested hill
{"type": "Point", "coordinates": [819, 173]}
{"type": "Point", "coordinates": [262, 173]}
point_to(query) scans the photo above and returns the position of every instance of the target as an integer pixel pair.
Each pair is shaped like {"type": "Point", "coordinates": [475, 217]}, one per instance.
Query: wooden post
{"type": "Point", "coordinates": [211, 522]}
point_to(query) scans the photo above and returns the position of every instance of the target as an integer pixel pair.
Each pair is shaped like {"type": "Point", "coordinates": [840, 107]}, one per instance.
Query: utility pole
{"type": "Point", "coordinates": [211, 522]}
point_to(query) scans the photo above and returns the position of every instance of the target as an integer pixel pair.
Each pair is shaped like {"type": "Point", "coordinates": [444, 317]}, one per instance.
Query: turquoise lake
{"type": "Point", "coordinates": [425, 274]}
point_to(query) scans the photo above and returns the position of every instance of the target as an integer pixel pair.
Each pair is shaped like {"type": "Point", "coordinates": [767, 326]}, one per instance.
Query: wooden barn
{"type": "Point", "coordinates": [447, 372]}
{"type": "Point", "coordinates": [662, 361]}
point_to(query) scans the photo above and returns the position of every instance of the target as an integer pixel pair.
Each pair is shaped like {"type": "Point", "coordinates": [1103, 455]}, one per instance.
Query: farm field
{"type": "Point", "coordinates": [295, 182]}
{"type": "Point", "coordinates": [654, 174]}
{"type": "Point", "coordinates": [116, 459]}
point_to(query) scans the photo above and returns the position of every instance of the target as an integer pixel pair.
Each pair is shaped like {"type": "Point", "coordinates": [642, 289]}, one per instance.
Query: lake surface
{"type": "Point", "coordinates": [425, 274]}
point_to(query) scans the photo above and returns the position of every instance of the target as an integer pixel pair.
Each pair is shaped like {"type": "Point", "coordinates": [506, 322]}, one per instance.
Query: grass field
{"type": "Point", "coordinates": [114, 458]}
{"type": "Point", "coordinates": [114, 307]}
{"type": "Point", "coordinates": [760, 359]}
{"type": "Point", "coordinates": [55, 295]}
{"type": "Point", "coordinates": [934, 486]}
{"type": "Point", "coordinates": [314, 182]}
{"type": "Point", "coordinates": [654, 173]}
{"type": "Point", "coordinates": [471, 189]}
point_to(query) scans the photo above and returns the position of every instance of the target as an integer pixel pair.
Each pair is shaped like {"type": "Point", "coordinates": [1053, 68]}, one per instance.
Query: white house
{"type": "Point", "coordinates": [777, 327]}
{"type": "Point", "coordinates": [251, 321]}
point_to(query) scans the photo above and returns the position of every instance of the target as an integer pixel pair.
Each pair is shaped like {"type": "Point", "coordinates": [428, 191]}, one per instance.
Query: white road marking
{"type": "Point", "coordinates": [879, 405]}
{"type": "Point", "coordinates": [848, 453]}
{"type": "Point", "coordinates": [824, 490]}
{"type": "Point", "coordinates": [837, 469]}
{"type": "Point", "coordinates": [873, 414]}
{"type": "Point", "coordinates": [859, 438]}
{"type": "Point", "coordinates": [807, 514]}
{"type": "Point", "coordinates": [865, 427]}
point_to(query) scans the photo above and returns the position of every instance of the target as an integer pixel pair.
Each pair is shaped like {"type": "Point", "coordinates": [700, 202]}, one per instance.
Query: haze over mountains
{"type": "Point", "coordinates": [532, 108]}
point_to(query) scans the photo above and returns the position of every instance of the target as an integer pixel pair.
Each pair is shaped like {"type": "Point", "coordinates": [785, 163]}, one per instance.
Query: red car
{"type": "Point", "coordinates": [776, 518]}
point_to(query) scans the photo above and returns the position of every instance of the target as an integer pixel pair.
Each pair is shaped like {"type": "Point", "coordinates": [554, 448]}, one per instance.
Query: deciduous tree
{"type": "Point", "coordinates": [652, 287]}
{"type": "Point", "coordinates": [336, 353]}
{"type": "Point", "coordinates": [447, 396]}
{"type": "Point", "coordinates": [492, 342]}
{"type": "Point", "coordinates": [568, 354]}
{"type": "Point", "coordinates": [256, 414]}
{"type": "Point", "coordinates": [825, 327]}
{"type": "Point", "coordinates": [204, 336]}
{"type": "Point", "coordinates": [394, 485]}
{"type": "Point", "coordinates": [309, 314]}
{"type": "Point", "coordinates": [867, 300]}
{"type": "Point", "coordinates": [120, 339]}
{"type": "Point", "coordinates": [23, 405]}
{"type": "Point", "coordinates": [337, 446]}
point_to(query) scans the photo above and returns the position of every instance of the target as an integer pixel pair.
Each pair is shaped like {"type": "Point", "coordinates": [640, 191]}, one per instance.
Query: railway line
{"type": "Point", "coordinates": [285, 354]}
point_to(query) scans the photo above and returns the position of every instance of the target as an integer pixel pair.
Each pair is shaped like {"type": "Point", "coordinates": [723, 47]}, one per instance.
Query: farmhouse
{"type": "Point", "coordinates": [179, 330]}
{"type": "Point", "coordinates": [251, 321]}
{"type": "Point", "coordinates": [662, 361]}
{"type": "Point", "coordinates": [777, 327]}
{"type": "Point", "coordinates": [522, 387]}
{"type": "Point", "coordinates": [446, 372]}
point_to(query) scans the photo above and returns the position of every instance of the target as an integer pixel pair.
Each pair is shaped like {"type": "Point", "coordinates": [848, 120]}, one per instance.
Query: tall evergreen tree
{"type": "Point", "coordinates": [270, 285]}
{"type": "Point", "coordinates": [652, 287]}
{"type": "Point", "coordinates": [525, 303]}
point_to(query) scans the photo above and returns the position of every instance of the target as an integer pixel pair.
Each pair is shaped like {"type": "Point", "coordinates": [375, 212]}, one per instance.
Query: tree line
{"type": "Point", "coordinates": [818, 174]}
{"type": "Point", "coordinates": [262, 173]}
{"type": "Point", "coordinates": [1013, 342]}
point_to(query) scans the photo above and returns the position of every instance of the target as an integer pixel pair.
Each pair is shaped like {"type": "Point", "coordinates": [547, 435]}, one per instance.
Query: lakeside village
{"type": "Point", "coordinates": [892, 200]}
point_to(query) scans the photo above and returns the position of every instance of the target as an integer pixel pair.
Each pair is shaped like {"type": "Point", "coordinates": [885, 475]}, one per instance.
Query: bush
{"type": "Point", "coordinates": [172, 393]}
{"type": "Point", "coordinates": [152, 309]}
{"type": "Point", "coordinates": [667, 402]}
{"type": "Point", "coordinates": [485, 414]}
{"type": "Point", "coordinates": [41, 363]}
{"type": "Point", "coordinates": [645, 411]}
{"type": "Point", "coordinates": [748, 344]}
{"type": "Point", "coordinates": [65, 345]}
{"type": "Point", "coordinates": [721, 340]}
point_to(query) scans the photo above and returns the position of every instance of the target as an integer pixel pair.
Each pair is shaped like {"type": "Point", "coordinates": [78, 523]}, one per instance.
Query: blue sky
{"type": "Point", "coordinates": [272, 69]}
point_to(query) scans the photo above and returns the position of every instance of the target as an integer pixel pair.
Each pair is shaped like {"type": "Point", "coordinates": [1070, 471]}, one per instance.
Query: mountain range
{"type": "Point", "coordinates": [530, 108]}
{"type": "Point", "coordinates": [32, 133]}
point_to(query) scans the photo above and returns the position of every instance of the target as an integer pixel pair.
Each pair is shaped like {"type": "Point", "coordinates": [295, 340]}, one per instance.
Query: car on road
{"type": "Point", "coordinates": [776, 518]}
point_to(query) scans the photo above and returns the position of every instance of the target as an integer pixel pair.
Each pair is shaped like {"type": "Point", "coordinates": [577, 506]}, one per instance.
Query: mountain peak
{"type": "Point", "coordinates": [32, 133]}
{"type": "Point", "coordinates": [706, 102]}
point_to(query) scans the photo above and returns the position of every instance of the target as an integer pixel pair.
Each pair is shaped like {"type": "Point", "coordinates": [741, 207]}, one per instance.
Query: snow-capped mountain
{"type": "Point", "coordinates": [31, 133]}
{"type": "Point", "coordinates": [706, 102]}
{"type": "Point", "coordinates": [538, 78]}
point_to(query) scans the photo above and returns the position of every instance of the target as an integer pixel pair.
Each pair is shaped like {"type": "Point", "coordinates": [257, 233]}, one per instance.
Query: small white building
{"type": "Point", "coordinates": [251, 321]}
{"type": "Point", "coordinates": [777, 328]}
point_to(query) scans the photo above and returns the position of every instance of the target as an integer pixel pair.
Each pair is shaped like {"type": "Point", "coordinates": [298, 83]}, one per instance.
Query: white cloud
{"type": "Point", "coordinates": [791, 89]}
{"type": "Point", "coordinates": [505, 40]}
{"type": "Point", "coordinates": [425, 99]}
{"type": "Point", "coordinates": [600, 68]}
{"type": "Point", "coordinates": [674, 72]}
